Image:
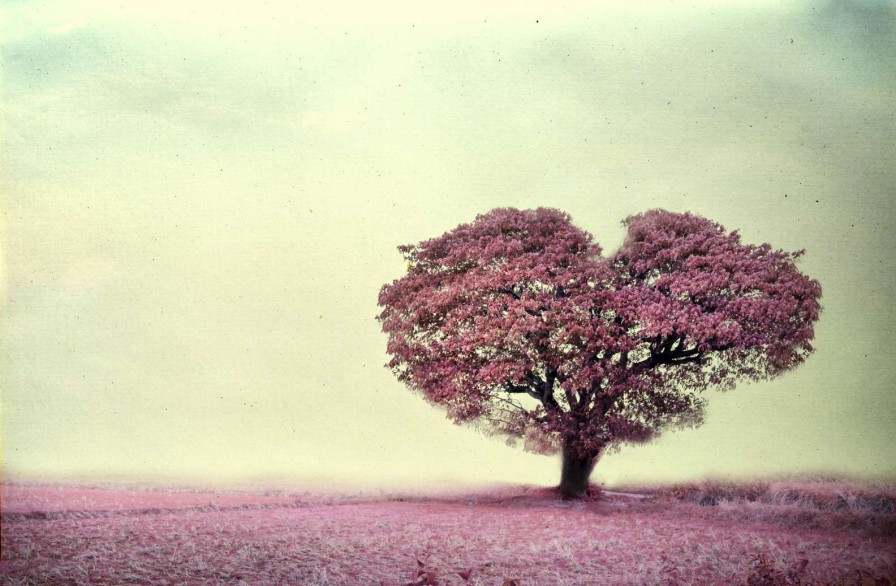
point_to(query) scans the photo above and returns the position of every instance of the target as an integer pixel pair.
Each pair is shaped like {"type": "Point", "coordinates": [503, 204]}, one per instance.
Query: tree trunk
{"type": "Point", "coordinates": [575, 474]}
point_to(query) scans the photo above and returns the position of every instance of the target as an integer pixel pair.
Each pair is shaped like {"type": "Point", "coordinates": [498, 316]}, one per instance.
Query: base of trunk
{"type": "Point", "coordinates": [575, 474]}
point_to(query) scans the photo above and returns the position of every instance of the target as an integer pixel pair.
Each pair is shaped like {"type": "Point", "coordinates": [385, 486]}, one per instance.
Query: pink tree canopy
{"type": "Point", "coordinates": [516, 320]}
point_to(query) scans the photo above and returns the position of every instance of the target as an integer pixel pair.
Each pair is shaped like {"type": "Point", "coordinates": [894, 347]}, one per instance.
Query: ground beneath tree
{"type": "Point", "coordinates": [81, 535]}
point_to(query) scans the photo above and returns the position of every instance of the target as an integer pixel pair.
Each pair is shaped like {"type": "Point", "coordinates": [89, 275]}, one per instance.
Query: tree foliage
{"type": "Point", "coordinates": [517, 320]}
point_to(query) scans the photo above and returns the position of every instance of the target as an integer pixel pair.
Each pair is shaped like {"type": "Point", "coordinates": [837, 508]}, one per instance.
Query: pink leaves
{"type": "Point", "coordinates": [718, 292]}
{"type": "Point", "coordinates": [516, 302]}
{"type": "Point", "coordinates": [421, 576]}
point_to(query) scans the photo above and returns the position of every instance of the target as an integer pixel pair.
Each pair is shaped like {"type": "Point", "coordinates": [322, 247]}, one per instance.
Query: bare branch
{"type": "Point", "coordinates": [517, 406]}
{"type": "Point", "coordinates": [514, 388]}
{"type": "Point", "coordinates": [532, 389]}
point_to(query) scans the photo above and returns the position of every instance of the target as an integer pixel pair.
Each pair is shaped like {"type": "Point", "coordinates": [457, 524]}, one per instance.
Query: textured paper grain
{"type": "Point", "coordinates": [202, 201]}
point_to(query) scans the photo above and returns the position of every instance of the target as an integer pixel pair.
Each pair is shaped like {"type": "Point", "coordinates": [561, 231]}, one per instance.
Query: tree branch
{"type": "Point", "coordinates": [662, 352]}
{"type": "Point", "coordinates": [527, 389]}
{"type": "Point", "coordinates": [519, 297]}
{"type": "Point", "coordinates": [678, 355]}
{"type": "Point", "coordinates": [517, 406]}
{"type": "Point", "coordinates": [547, 391]}
{"type": "Point", "coordinates": [534, 380]}
{"type": "Point", "coordinates": [515, 388]}
{"type": "Point", "coordinates": [680, 343]}
{"type": "Point", "coordinates": [686, 359]}
{"type": "Point", "coordinates": [510, 292]}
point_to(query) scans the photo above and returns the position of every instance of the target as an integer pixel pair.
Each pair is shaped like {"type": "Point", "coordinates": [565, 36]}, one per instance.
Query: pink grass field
{"type": "Point", "coordinates": [66, 534]}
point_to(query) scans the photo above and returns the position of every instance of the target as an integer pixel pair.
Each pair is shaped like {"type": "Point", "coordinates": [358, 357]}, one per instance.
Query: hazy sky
{"type": "Point", "coordinates": [200, 205]}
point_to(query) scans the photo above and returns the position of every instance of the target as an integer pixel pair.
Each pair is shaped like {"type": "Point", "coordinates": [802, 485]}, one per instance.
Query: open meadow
{"type": "Point", "coordinates": [709, 533]}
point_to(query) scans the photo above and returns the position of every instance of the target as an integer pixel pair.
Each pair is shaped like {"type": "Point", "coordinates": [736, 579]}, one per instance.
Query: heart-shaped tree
{"type": "Point", "coordinates": [517, 321]}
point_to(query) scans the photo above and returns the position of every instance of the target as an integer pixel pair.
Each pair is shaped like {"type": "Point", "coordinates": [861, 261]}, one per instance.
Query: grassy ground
{"type": "Point", "coordinates": [802, 503]}
{"type": "Point", "coordinates": [706, 533]}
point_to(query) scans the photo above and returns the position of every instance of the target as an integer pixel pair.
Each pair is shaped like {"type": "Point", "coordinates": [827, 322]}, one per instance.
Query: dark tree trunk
{"type": "Point", "coordinates": [575, 474]}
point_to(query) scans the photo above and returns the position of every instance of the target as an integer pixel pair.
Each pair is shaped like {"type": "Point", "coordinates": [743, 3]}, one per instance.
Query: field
{"type": "Point", "coordinates": [709, 533]}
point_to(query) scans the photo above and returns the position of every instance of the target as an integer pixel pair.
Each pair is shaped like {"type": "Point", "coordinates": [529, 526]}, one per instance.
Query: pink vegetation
{"type": "Point", "coordinates": [519, 322]}
{"type": "Point", "coordinates": [489, 538]}
{"type": "Point", "coordinates": [24, 498]}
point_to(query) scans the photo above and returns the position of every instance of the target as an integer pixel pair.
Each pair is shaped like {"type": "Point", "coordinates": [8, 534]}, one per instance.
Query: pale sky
{"type": "Point", "coordinates": [201, 203]}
